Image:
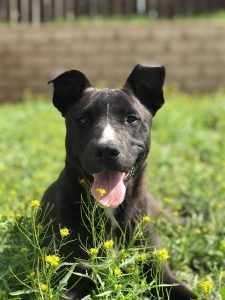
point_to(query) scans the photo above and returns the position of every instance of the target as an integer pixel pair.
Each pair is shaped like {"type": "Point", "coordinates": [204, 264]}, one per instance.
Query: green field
{"type": "Point", "coordinates": [186, 171]}
{"type": "Point", "coordinates": [217, 16]}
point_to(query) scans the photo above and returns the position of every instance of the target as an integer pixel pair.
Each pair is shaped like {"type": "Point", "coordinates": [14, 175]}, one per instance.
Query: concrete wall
{"type": "Point", "coordinates": [194, 54]}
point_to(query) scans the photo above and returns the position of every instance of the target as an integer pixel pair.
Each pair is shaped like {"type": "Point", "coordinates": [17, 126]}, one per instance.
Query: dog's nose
{"type": "Point", "coordinates": [105, 151]}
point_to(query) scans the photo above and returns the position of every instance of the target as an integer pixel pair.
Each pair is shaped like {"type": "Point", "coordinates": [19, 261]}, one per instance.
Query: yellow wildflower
{"type": "Point", "coordinates": [18, 216]}
{"type": "Point", "coordinates": [147, 219]}
{"type": "Point", "coordinates": [31, 275]}
{"type": "Point", "coordinates": [101, 191]}
{"type": "Point", "coordinates": [219, 205]}
{"type": "Point", "coordinates": [204, 230]}
{"type": "Point", "coordinates": [206, 286]}
{"type": "Point", "coordinates": [219, 178]}
{"type": "Point", "coordinates": [222, 245]}
{"type": "Point", "coordinates": [185, 268]}
{"type": "Point", "coordinates": [143, 257]}
{"type": "Point", "coordinates": [24, 250]}
{"type": "Point", "coordinates": [117, 272]}
{"type": "Point", "coordinates": [93, 251]}
{"type": "Point", "coordinates": [11, 215]}
{"type": "Point", "coordinates": [83, 182]}
{"type": "Point", "coordinates": [108, 244]}
{"type": "Point", "coordinates": [43, 287]}
{"type": "Point", "coordinates": [35, 203]}
{"type": "Point", "coordinates": [118, 287]}
{"type": "Point", "coordinates": [175, 213]}
{"type": "Point", "coordinates": [64, 232]}
{"type": "Point", "coordinates": [161, 254]}
{"type": "Point", "coordinates": [133, 268]}
{"type": "Point", "coordinates": [13, 193]}
{"type": "Point", "coordinates": [52, 260]}
{"type": "Point", "coordinates": [168, 200]}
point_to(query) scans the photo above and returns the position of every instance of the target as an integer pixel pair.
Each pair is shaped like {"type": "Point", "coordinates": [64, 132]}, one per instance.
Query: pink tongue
{"type": "Point", "coordinates": [108, 188]}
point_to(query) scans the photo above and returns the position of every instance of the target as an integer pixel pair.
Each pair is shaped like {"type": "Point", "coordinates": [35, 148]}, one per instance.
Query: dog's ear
{"type": "Point", "coordinates": [68, 88]}
{"type": "Point", "coordinates": [146, 84]}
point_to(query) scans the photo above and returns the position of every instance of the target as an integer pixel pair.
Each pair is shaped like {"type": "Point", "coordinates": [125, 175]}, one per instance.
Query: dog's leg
{"type": "Point", "coordinates": [174, 291]}
{"type": "Point", "coordinates": [177, 291]}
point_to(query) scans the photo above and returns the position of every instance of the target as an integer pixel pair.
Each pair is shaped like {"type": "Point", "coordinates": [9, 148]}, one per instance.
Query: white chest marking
{"type": "Point", "coordinates": [109, 212]}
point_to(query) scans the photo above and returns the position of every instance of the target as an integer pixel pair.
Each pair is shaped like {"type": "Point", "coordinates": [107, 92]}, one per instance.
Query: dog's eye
{"type": "Point", "coordinates": [131, 119]}
{"type": "Point", "coordinates": [83, 120]}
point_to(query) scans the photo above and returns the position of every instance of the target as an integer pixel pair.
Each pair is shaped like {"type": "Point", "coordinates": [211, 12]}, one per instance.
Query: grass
{"type": "Point", "coordinates": [207, 16]}
{"type": "Point", "coordinates": [142, 19]}
{"type": "Point", "coordinates": [186, 170]}
{"type": "Point", "coordinates": [217, 16]}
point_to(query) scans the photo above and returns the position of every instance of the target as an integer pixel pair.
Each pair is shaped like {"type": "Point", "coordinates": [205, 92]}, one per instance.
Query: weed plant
{"type": "Point", "coordinates": [118, 266]}
{"type": "Point", "coordinates": [28, 270]}
{"type": "Point", "coordinates": [34, 269]}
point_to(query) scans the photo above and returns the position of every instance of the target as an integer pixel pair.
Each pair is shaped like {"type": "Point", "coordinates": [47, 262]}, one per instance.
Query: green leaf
{"type": "Point", "coordinates": [107, 293]}
{"type": "Point", "coordinates": [100, 281]}
{"type": "Point", "coordinates": [88, 297]}
{"type": "Point", "coordinates": [21, 292]}
{"type": "Point", "coordinates": [223, 293]}
{"type": "Point", "coordinates": [65, 279]}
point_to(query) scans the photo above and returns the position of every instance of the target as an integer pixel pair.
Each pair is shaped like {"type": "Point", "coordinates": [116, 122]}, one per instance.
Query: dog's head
{"type": "Point", "coordinates": [108, 130]}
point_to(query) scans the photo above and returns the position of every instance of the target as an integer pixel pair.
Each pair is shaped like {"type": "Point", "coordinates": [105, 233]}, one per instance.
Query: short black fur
{"type": "Point", "coordinates": [87, 112]}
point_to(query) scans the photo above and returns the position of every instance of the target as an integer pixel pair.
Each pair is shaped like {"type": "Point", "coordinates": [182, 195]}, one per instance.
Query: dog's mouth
{"type": "Point", "coordinates": [128, 174]}
{"type": "Point", "coordinates": [108, 187]}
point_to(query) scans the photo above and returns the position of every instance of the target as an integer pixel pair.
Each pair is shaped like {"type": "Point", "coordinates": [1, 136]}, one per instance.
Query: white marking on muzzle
{"type": "Point", "coordinates": [108, 134]}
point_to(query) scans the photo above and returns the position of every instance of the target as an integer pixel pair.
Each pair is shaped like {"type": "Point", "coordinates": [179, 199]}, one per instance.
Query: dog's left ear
{"type": "Point", "coordinates": [146, 84]}
{"type": "Point", "coordinates": [68, 88]}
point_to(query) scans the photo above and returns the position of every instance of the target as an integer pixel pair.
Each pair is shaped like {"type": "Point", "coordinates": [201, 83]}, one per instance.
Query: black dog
{"type": "Point", "coordinates": [107, 143]}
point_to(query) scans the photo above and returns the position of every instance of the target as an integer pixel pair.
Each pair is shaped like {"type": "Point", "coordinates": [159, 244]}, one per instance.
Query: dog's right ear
{"type": "Point", "coordinates": [146, 83]}
{"type": "Point", "coordinates": [68, 88]}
